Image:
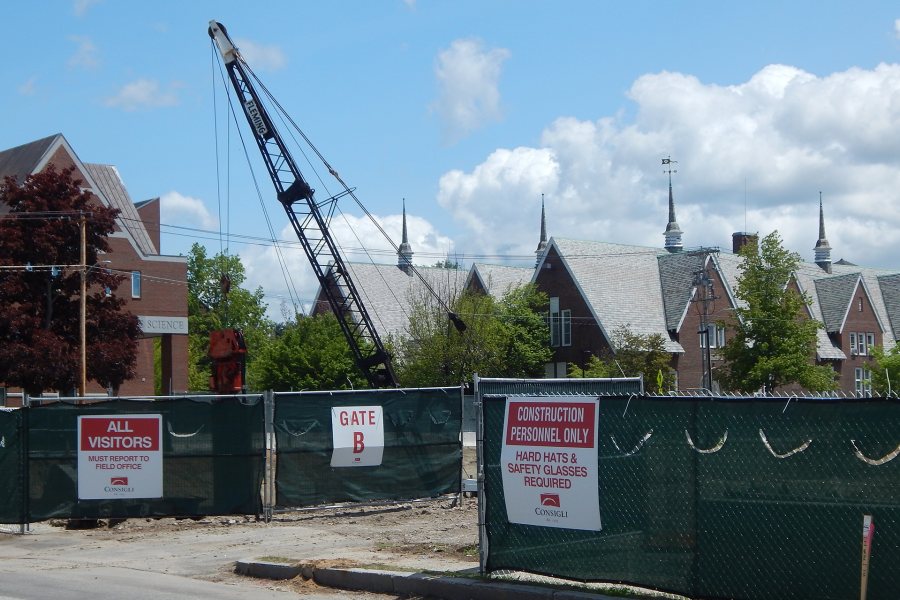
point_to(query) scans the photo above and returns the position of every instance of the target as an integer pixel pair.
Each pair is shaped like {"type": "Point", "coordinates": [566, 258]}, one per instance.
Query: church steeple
{"type": "Point", "coordinates": [823, 248]}
{"type": "Point", "coordinates": [404, 252]}
{"type": "Point", "coordinates": [542, 245]}
{"type": "Point", "coordinates": [673, 232]}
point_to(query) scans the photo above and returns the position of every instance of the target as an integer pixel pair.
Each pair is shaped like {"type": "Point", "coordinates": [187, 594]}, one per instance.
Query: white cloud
{"type": "Point", "coordinates": [29, 87]}
{"type": "Point", "coordinates": [897, 28]}
{"type": "Point", "coordinates": [260, 57]}
{"type": "Point", "coordinates": [467, 76]}
{"type": "Point", "coordinates": [143, 93]}
{"type": "Point", "coordinates": [86, 55]}
{"type": "Point", "coordinates": [784, 133]}
{"type": "Point", "coordinates": [352, 235]}
{"type": "Point", "coordinates": [80, 7]}
{"type": "Point", "coordinates": [186, 211]}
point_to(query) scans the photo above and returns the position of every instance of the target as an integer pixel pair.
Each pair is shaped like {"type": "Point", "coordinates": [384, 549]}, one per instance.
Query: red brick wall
{"type": "Point", "coordinates": [587, 337]}
{"type": "Point", "coordinates": [860, 319]}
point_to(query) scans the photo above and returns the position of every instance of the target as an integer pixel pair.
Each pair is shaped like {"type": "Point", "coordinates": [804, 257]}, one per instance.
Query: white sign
{"type": "Point", "coordinates": [162, 325]}
{"type": "Point", "coordinates": [549, 462]}
{"type": "Point", "coordinates": [120, 456]}
{"type": "Point", "coordinates": [358, 435]}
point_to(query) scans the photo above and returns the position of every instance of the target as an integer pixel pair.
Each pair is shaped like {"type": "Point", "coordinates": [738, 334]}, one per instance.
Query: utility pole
{"type": "Point", "coordinates": [82, 383]}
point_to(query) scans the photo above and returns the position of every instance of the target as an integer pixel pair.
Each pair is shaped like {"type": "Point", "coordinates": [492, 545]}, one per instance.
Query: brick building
{"type": "Point", "coordinates": [156, 286]}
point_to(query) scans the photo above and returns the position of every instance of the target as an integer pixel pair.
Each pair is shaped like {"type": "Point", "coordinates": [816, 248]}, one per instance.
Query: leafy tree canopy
{"type": "Point", "coordinates": [775, 341]}
{"type": "Point", "coordinates": [40, 290]}
{"type": "Point", "coordinates": [506, 338]}
{"type": "Point", "coordinates": [310, 353]}
{"type": "Point", "coordinates": [636, 355]}
{"type": "Point", "coordinates": [885, 370]}
{"type": "Point", "coordinates": [214, 303]}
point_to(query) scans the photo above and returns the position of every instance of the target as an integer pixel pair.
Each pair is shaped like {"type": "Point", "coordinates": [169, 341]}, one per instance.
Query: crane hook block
{"type": "Point", "coordinates": [299, 190]}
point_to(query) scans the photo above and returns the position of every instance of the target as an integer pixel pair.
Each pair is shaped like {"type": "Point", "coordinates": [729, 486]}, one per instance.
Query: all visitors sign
{"type": "Point", "coordinates": [120, 456]}
{"type": "Point", "coordinates": [549, 462]}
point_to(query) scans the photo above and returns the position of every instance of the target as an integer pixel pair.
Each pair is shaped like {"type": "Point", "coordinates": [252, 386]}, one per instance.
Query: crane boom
{"type": "Point", "coordinates": [309, 222]}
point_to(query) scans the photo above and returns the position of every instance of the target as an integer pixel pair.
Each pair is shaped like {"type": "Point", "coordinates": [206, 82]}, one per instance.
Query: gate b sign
{"type": "Point", "coordinates": [358, 435]}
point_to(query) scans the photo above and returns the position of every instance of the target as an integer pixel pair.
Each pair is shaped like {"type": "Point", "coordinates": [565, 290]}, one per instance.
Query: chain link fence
{"type": "Point", "coordinates": [742, 498]}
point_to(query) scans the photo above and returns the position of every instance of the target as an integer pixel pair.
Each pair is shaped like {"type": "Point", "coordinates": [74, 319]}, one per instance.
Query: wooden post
{"type": "Point", "coordinates": [82, 382]}
{"type": "Point", "coordinates": [867, 533]}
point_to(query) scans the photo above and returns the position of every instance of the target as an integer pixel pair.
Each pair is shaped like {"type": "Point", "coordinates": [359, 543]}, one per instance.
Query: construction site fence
{"type": "Point", "coordinates": [224, 455]}
{"type": "Point", "coordinates": [707, 497]}
{"type": "Point", "coordinates": [400, 444]}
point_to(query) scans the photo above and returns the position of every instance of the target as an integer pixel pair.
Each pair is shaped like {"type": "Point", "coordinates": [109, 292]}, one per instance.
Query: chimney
{"type": "Point", "coordinates": [739, 239]}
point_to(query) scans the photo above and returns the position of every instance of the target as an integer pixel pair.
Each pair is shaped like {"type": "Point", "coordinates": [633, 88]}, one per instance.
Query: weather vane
{"type": "Point", "coordinates": [669, 162]}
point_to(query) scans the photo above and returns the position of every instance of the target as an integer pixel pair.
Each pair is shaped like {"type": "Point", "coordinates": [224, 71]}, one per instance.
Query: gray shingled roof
{"type": "Point", "coordinates": [388, 292]}
{"type": "Point", "coordinates": [676, 273]}
{"type": "Point", "coordinates": [835, 295]}
{"type": "Point", "coordinates": [21, 161]}
{"type": "Point", "coordinates": [500, 279]}
{"type": "Point", "coordinates": [633, 301]}
{"type": "Point", "coordinates": [107, 178]}
{"type": "Point", "coordinates": [890, 291]}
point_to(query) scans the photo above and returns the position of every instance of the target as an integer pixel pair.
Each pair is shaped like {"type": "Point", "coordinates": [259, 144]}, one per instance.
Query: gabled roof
{"type": "Point", "coordinates": [389, 293]}
{"type": "Point", "coordinates": [890, 292]}
{"type": "Point", "coordinates": [22, 161]}
{"type": "Point", "coordinates": [498, 280]}
{"type": "Point", "coordinates": [676, 274]}
{"type": "Point", "coordinates": [835, 295]}
{"type": "Point", "coordinates": [111, 185]}
{"type": "Point", "coordinates": [620, 283]}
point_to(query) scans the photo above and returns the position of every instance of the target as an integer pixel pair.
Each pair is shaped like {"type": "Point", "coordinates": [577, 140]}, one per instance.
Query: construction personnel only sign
{"type": "Point", "coordinates": [358, 436]}
{"type": "Point", "coordinates": [120, 456]}
{"type": "Point", "coordinates": [549, 462]}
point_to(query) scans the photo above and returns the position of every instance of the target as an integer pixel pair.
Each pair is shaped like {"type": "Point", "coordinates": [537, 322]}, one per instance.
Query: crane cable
{"type": "Point", "coordinates": [293, 294]}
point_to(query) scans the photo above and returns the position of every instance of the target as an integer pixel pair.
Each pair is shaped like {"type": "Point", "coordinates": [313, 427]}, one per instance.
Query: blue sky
{"type": "Point", "coordinates": [472, 110]}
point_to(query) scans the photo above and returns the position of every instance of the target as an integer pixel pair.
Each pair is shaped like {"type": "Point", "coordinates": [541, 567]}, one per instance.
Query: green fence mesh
{"type": "Point", "coordinates": [213, 458]}
{"type": "Point", "coordinates": [421, 455]}
{"type": "Point", "coordinates": [12, 466]}
{"type": "Point", "coordinates": [727, 498]}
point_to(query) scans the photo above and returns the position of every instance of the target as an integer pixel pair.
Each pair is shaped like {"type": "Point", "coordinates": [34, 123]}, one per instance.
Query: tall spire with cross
{"type": "Point", "coordinates": [673, 232]}
{"type": "Point", "coordinates": [823, 248]}
{"type": "Point", "coordinates": [542, 244]}
{"type": "Point", "coordinates": [404, 252]}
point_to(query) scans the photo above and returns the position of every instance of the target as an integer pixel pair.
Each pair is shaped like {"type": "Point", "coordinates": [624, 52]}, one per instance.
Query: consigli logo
{"type": "Point", "coordinates": [550, 500]}
{"type": "Point", "coordinates": [124, 481]}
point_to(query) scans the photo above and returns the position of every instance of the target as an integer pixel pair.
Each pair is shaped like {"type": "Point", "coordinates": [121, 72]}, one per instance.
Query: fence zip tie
{"type": "Point", "coordinates": [286, 429]}
{"type": "Point", "coordinates": [712, 450]}
{"type": "Point", "coordinates": [444, 413]}
{"type": "Point", "coordinates": [788, 402]}
{"type": "Point", "coordinates": [872, 461]}
{"type": "Point", "coordinates": [634, 450]}
{"type": "Point", "coordinates": [799, 448]}
{"type": "Point", "coordinates": [627, 404]}
{"type": "Point", "coordinates": [182, 435]}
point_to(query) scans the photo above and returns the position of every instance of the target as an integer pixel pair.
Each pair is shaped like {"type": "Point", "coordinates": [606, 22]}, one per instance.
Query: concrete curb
{"type": "Point", "coordinates": [412, 584]}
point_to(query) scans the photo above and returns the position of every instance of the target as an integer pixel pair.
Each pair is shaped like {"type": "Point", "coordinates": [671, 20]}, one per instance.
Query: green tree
{"type": "Point", "coordinates": [506, 338]}
{"type": "Point", "coordinates": [636, 355]}
{"type": "Point", "coordinates": [310, 353]}
{"type": "Point", "coordinates": [40, 292]}
{"type": "Point", "coordinates": [214, 303]}
{"type": "Point", "coordinates": [775, 341]}
{"type": "Point", "coordinates": [885, 367]}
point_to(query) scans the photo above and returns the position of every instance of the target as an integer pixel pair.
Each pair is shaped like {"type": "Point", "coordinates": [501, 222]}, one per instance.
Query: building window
{"type": "Point", "coordinates": [135, 284]}
{"type": "Point", "coordinates": [859, 304]}
{"type": "Point", "coordinates": [554, 322]}
{"type": "Point", "coordinates": [861, 344]}
{"type": "Point", "coordinates": [863, 381]}
{"type": "Point", "coordinates": [566, 337]}
{"type": "Point", "coordinates": [870, 337]}
{"type": "Point", "coordinates": [716, 336]}
{"type": "Point", "coordinates": [853, 349]}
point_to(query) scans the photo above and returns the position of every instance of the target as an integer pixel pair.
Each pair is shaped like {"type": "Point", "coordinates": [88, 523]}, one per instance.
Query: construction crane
{"type": "Point", "coordinates": [309, 220]}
